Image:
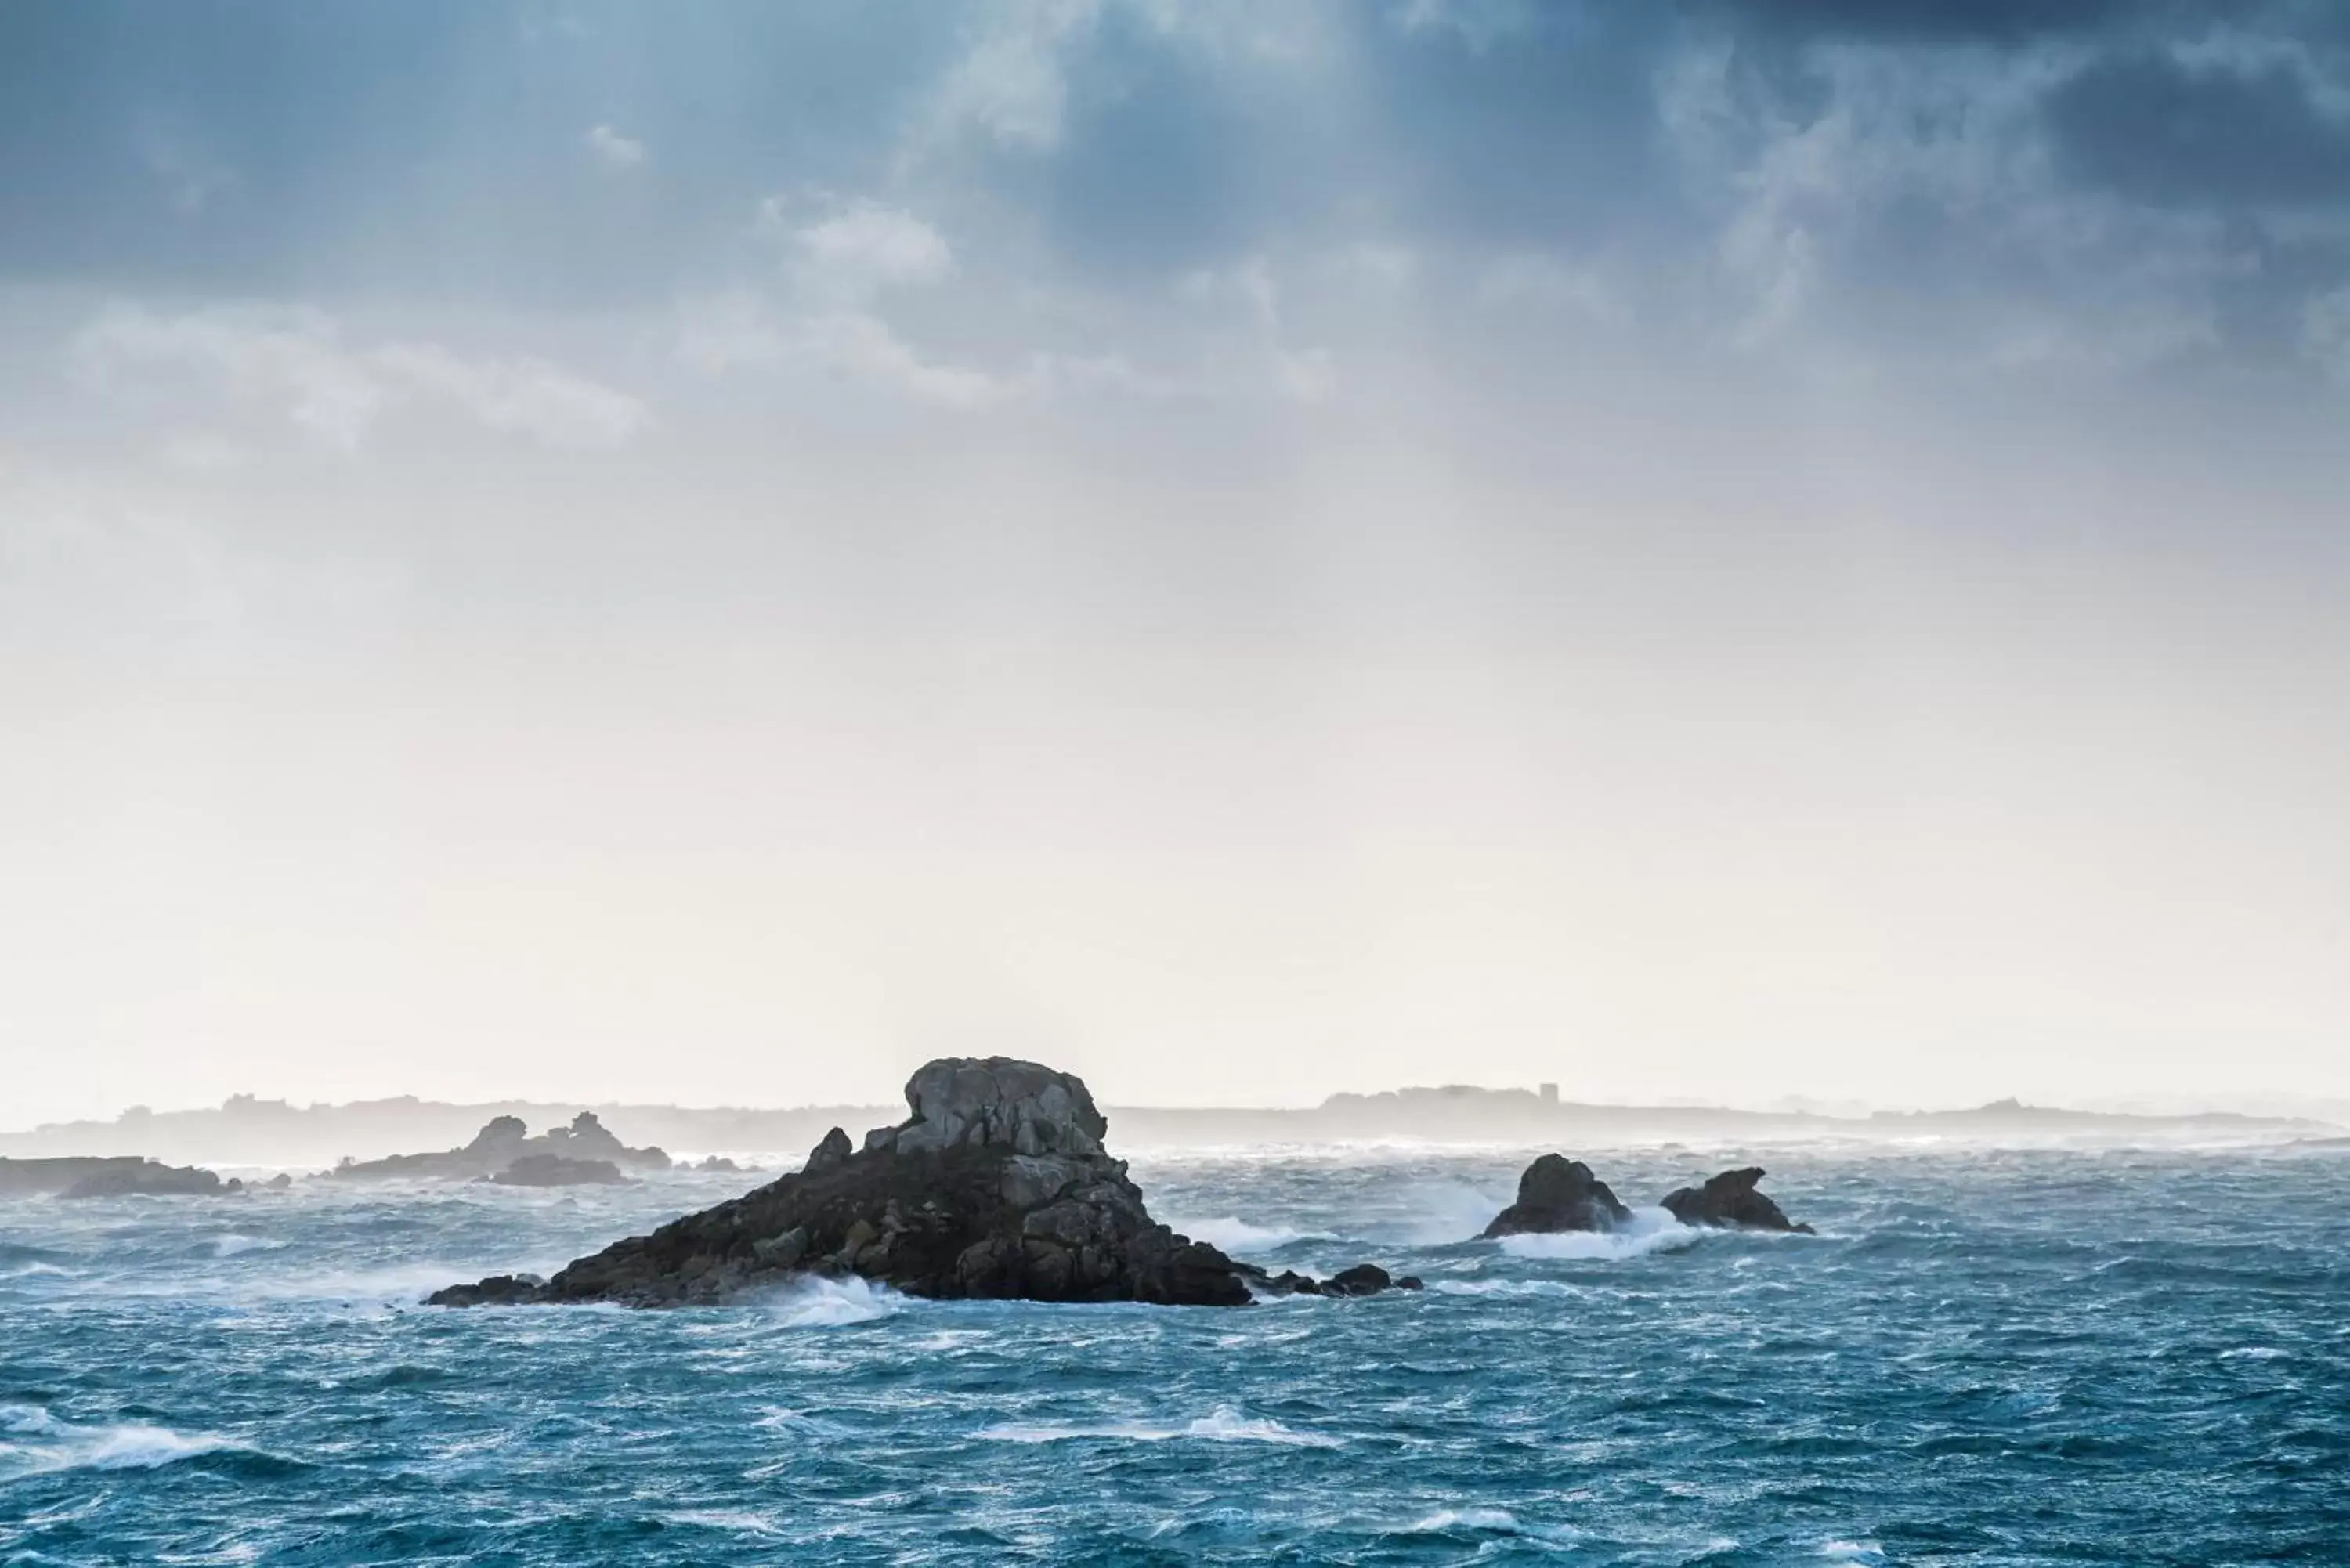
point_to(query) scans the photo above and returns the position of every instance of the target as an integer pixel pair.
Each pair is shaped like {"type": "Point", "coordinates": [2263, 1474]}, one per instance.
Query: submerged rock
{"type": "Point", "coordinates": [555, 1171]}
{"type": "Point", "coordinates": [503, 1141]}
{"type": "Point", "coordinates": [1729, 1200]}
{"type": "Point", "coordinates": [997, 1185]}
{"type": "Point", "coordinates": [1557, 1193]}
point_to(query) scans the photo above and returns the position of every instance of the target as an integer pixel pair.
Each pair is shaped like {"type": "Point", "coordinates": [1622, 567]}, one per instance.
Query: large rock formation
{"type": "Point", "coordinates": [555, 1171]}
{"type": "Point", "coordinates": [1729, 1200]}
{"type": "Point", "coordinates": [150, 1179]}
{"type": "Point", "coordinates": [1557, 1193]}
{"type": "Point", "coordinates": [997, 1185]}
{"type": "Point", "coordinates": [503, 1141]}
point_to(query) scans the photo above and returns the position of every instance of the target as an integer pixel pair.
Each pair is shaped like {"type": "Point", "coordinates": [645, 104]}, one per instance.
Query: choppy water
{"type": "Point", "coordinates": [1986, 1359]}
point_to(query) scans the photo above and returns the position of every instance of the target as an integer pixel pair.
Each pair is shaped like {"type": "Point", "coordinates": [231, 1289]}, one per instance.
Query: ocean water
{"type": "Point", "coordinates": [1985, 1358]}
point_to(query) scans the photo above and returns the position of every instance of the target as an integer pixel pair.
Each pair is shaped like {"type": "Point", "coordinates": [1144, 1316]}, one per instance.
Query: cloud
{"type": "Point", "coordinates": [614, 150]}
{"type": "Point", "coordinates": [291, 359]}
{"type": "Point", "coordinates": [869, 247]}
{"type": "Point", "coordinates": [297, 361]}
{"type": "Point", "coordinates": [1544, 281]}
{"type": "Point", "coordinates": [1010, 85]}
{"type": "Point", "coordinates": [1478, 23]}
{"type": "Point", "coordinates": [2325, 332]}
{"type": "Point", "coordinates": [740, 330]}
{"type": "Point", "coordinates": [529, 397]}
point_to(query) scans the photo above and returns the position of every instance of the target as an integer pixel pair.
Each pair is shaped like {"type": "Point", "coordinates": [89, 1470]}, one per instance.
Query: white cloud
{"type": "Point", "coordinates": [1547, 283]}
{"type": "Point", "coordinates": [291, 359]}
{"type": "Point", "coordinates": [615, 151]}
{"type": "Point", "coordinates": [866, 247]}
{"type": "Point", "coordinates": [297, 361]}
{"type": "Point", "coordinates": [864, 348]}
{"type": "Point", "coordinates": [2325, 332]}
{"type": "Point", "coordinates": [1010, 85]}
{"type": "Point", "coordinates": [1479, 24]}
{"type": "Point", "coordinates": [527, 396]}
{"type": "Point", "coordinates": [740, 330]}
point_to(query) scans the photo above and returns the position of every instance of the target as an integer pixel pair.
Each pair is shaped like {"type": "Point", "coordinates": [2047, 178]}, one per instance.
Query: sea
{"type": "Point", "coordinates": [2010, 1356]}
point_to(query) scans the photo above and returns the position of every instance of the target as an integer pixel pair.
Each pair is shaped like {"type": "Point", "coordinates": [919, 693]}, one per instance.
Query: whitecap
{"type": "Point", "coordinates": [50, 1444]}
{"type": "Point", "coordinates": [1651, 1230]}
{"type": "Point", "coordinates": [815, 1303]}
{"type": "Point", "coordinates": [725, 1519]}
{"type": "Point", "coordinates": [1234, 1235]}
{"type": "Point", "coordinates": [1221, 1425]}
{"type": "Point", "coordinates": [1861, 1553]}
{"type": "Point", "coordinates": [230, 1246]}
{"type": "Point", "coordinates": [1466, 1519]}
{"type": "Point", "coordinates": [2252, 1352]}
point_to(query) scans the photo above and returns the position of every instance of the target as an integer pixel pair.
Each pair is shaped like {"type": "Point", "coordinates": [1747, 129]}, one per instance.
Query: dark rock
{"type": "Point", "coordinates": [502, 1142]}
{"type": "Point", "coordinates": [996, 1186]}
{"type": "Point", "coordinates": [498, 1290]}
{"type": "Point", "coordinates": [1362, 1280]}
{"type": "Point", "coordinates": [279, 1182]}
{"type": "Point", "coordinates": [149, 1178]}
{"type": "Point", "coordinates": [719, 1163]}
{"type": "Point", "coordinates": [555, 1171]}
{"type": "Point", "coordinates": [1559, 1194]}
{"type": "Point", "coordinates": [1729, 1200]}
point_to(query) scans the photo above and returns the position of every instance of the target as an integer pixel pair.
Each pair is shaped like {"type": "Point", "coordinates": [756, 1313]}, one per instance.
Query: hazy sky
{"type": "Point", "coordinates": [712, 551]}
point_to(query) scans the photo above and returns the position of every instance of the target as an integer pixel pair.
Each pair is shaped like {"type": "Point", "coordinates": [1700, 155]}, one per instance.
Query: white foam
{"type": "Point", "coordinates": [815, 1303]}
{"type": "Point", "coordinates": [231, 1245]}
{"type": "Point", "coordinates": [1467, 1519]}
{"type": "Point", "coordinates": [1650, 1231]}
{"type": "Point", "coordinates": [1221, 1425]}
{"type": "Point", "coordinates": [724, 1518]}
{"type": "Point", "coordinates": [1234, 1235]}
{"type": "Point", "coordinates": [54, 1445]}
{"type": "Point", "coordinates": [2252, 1352]}
{"type": "Point", "coordinates": [1861, 1552]}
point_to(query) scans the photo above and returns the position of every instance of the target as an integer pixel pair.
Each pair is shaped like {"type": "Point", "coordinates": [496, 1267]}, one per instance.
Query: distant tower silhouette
{"type": "Point", "coordinates": [1550, 1094]}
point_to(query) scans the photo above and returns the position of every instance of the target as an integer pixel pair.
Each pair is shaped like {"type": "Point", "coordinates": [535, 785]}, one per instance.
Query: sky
{"type": "Point", "coordinates": [710, 551]}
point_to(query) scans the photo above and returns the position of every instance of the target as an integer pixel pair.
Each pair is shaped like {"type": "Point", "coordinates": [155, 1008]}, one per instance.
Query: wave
{"type": "Point", "coordinates": [1221, 1425]}
{"type": "Point", "coordinates": [815, 1303]}
{"type": "Point", "coordinates": [1236, 1236]}
{"type": "Point", "coordinates": [1651, 1230]}
{"type": "Point", "coordinates": [35, 1442]}
{"type": "Point", "coordinates": [232, 1246]}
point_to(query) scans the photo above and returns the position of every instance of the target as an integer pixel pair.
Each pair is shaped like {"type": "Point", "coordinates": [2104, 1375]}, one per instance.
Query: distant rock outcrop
{"type": "Point", "coordinates": [1729, 1200]}
{"type": "Point", "coordinates": [997, 1185]}
{"type": "Point", "coordinates": [502, 1142]}
{"type": "Point", "coordinates": [556, 1170]}
{"type": "Point", "coordinates": [150, 1179]}
{"type": "Point", "coordinates": [1557, 1193]}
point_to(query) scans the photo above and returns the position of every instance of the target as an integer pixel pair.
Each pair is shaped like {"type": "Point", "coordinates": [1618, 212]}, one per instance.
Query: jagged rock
{"type": "Point", "coordinates": [498, 1290]}
{"type": "Point", "coordinates": [996, 1185]}
{"type": "Point", "coordinates": [1559, 1194]}
{"type": "Point", "coordinates": [719, 1163]}
{"type": "Point", "coordinates": [1729, 1200]}
{"type": "Point", "coordinates": [1362, 1280]}
{"type": "Point", "coordinates": [502, 1142]}
{"type": "Point", "coordinates": [149, 1178]}
{"type": "Point", "coordinates": [279, 1182]}
{"type": "Point", "coordinates": [555, 1171]}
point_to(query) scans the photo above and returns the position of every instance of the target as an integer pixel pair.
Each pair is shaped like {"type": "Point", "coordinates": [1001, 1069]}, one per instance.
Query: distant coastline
{"type": "Point", "coordinates": [249, 1130]}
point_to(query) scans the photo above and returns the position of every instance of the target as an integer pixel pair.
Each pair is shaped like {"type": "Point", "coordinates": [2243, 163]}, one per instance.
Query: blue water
{"type": "Point", "coordinates": [2021, 1357]}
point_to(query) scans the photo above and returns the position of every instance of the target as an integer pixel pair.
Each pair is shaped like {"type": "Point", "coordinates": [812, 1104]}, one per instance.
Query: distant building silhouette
{"type": "Point", "coordinates": [1550, 1094]}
